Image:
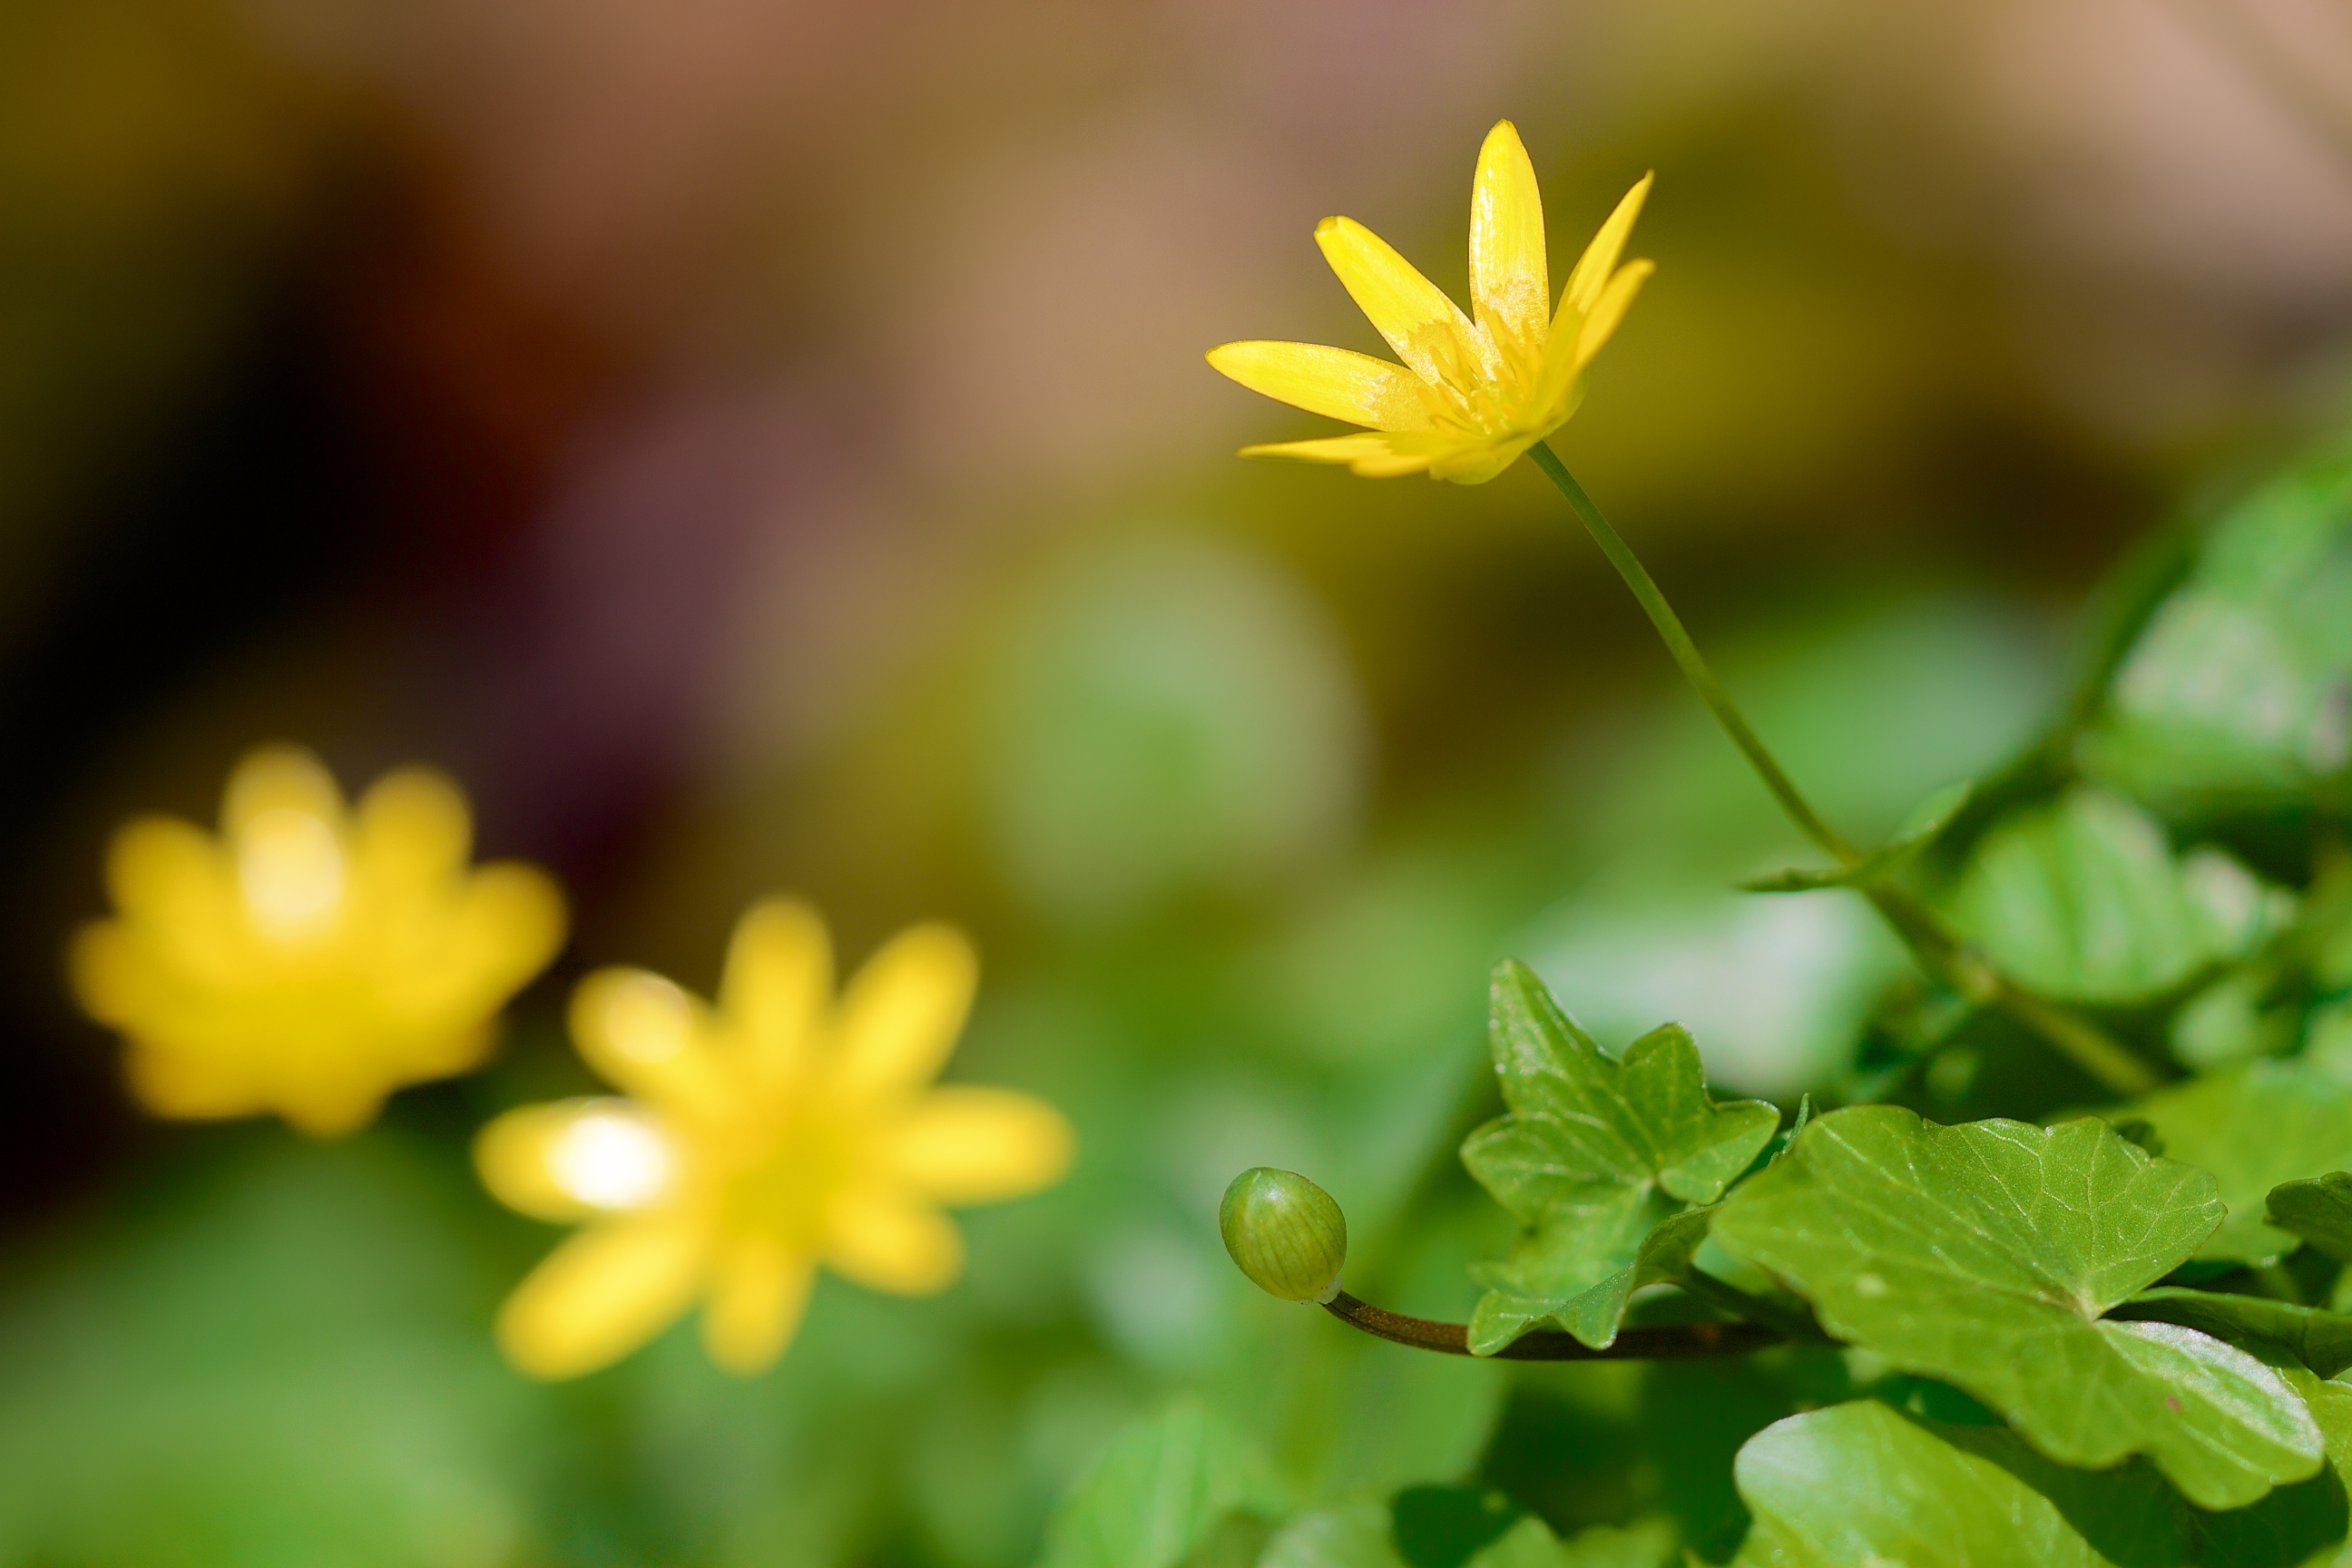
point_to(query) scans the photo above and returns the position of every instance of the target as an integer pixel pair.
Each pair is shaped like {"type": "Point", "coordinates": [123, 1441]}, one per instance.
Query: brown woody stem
{"type": "Point", "coordinates": [1677, 1341]}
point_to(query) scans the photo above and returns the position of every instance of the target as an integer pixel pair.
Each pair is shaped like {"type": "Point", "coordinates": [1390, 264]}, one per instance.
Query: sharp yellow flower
{"type": "Point", "coordinates": [776, 1131]}
{"type": "Point", "coordinates": [311, 958]}
{"type": "Point", "coordinates": [1471, 394]}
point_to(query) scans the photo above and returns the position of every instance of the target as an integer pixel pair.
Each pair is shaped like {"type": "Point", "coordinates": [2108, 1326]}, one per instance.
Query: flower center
{"type": "Point", "coordinates": [786, 1194]}
{"type": "Point", "coordinates": [1476, 394]}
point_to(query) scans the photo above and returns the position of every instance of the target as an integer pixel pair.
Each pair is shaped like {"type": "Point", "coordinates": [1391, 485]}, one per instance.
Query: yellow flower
{"type": "Point", "coordinates": [311, 958]}
{"type": "Point", "coordinates": [776, 1131]}
{"type": "Point", "coordinates": [1470, 395]}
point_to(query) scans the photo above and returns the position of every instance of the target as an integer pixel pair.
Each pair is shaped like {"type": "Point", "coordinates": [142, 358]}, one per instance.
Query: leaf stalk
{"type": "Point", "coordinates": [1674, 1342]}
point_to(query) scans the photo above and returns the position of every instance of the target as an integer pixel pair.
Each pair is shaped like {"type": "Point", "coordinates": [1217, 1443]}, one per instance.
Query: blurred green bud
{"type": "Point", "coordinates": [1285, 1233]}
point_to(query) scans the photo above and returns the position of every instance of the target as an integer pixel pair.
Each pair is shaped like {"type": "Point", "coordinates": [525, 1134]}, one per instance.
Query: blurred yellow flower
{"type": "Point", "coordinates": [776, 1131]}
{"type": "Point", "coordinates": [310, 959]}
{"type": "Point", "coordinates": [1470, 395]}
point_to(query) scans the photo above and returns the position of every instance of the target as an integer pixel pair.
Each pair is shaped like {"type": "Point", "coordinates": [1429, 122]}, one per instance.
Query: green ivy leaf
{"type": "Point", "coordinates": [1985, 1254]}
{"type": "Point", "coordinates": [2237, 689]}
{"type": "Point", "coordinates": [2322, 1340]}
{"type": "Point", "coordinates": [2254, 1126]}
{"type": "Point", "coordinates": [2301, 1526]}
{"type": "Point", "coordinates": [1593, 1158]}
{"type": "Point", "coordinates": [2319, 1210]}
{"type": "Point", "coordinates": [1861, 1483]}
{"type": "Point", "coordinates": [2083, 899]}
{"type": "Point", "coordinates": [1158, 1493]}
{"type": "Point", "coordinates": [1560, 1254]}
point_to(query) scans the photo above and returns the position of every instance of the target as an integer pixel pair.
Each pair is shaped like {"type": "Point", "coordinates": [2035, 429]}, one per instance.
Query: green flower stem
{"type": "Point", "coordinates": [1677, 1341]}
{"type": "Point", "coordinates": [1938, 948]}
{"type": "Point", "coordinates": [1687, 654]}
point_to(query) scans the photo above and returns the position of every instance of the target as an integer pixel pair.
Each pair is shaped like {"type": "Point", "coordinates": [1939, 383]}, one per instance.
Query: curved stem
{"type": "Point", "coordinates": [1678, 1341]}
{"type": "Point", "coordinates": [1940, 951]}
{"type": "Point", "coordinates": [1694, 668]}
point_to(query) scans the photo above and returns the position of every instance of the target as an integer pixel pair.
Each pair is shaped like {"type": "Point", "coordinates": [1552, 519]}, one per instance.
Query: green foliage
{"type": "Point", "coordinates": [2083, 898]}
{"type": "Point", "coordinates": [2091, 1343]}
{"type": "Point", "coordinates": [1595, 1156]}
{"type": "Point", "coordinates": [2322, 1341]}
{"type": "Point", "coordinates": [2319, 1211]}
{"type": "Point", "coordinates": [1862, 1484]}
{"type": "Point", "coordinates": [1499, 1535]}
{"type": "Point", "coordinates": [1174, 1483]}
{"type": "Point", "coordinates": [1988, 1254]}
{"type": "Point", "coordinates": [2232, 697]}
{"type": "Point", "coordinates": [2254, 1127]}
{"type": "Point", "coordinates": [284, 1367]}
{"type": "Point", "coordinates": [1921, 828]}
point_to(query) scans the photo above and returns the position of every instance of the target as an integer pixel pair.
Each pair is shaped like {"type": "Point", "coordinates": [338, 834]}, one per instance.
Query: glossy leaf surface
{"type": "Point", "coordinates": [1985, 1254]}
{"type": "Point", "coordinates": [1595, 1155]}
{"type": "Point", "coordinates": [1861, 1483]}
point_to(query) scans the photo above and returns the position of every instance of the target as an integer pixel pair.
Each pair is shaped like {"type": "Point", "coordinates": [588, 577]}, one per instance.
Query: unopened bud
{"type": "Point", "coordinates": [1285, 1233]}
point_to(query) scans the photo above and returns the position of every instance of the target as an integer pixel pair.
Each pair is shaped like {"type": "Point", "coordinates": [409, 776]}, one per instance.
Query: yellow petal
{"type": "Point", "coordinates": [1475, 465]}
{"type": "Point", "coordinates": [463, 957]}
{"type": "Point", "coordinates": [341, 1098]}
{"type": "Point", "coordinates": [1510, 285]}
{"type": "Point", "coordinates": [778, 980]}
{"type": "Point", "coordinates": [1599, 259]}
{"type": "Point", "coordinates": [279, 778]}
{"type": "Point", "coordinates": [107, 972]}
{"type": "Point", "coordinates": [901, 1014]}
{"type": "Point", "coordinates": [159, 869]}
{"type": "Point", "coordinates": [178, 894]}
{"type": "Point", "coordinates": [648, 1037]}
{"type": "Point", "coordinates": [602, 1294]}
{"type": "Point", "coordinates": [412, 829]}
{"type": "Point", "coordinates": [1427, 329]}
{"type": "Point", "coordinates": [1609, 308]}
{"type": "Point", "coordinates": [967, 1145]}
{"type": "Point", "coordinates": [757, 1293]}
{"type": "Point", "coordinates": [577, 1159]}
{"type": "Point", "coordinates": [1335, 383]}
{"type": "Point", "coordinates": [183, 1089]}
{"type": "Point", "coordinates": [892, 1240]}
{"type": "Point", "coordinates": [1382, 455]}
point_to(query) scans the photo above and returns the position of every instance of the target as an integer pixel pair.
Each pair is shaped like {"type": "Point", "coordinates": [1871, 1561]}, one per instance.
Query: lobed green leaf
{"type": "Point", "coordinates": [1594, 1156]}
{"type": "Point", "coordinates": [1985, 1254]}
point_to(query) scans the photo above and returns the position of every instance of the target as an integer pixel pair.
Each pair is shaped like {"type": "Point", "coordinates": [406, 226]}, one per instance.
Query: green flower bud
{"type": "Point", "coordinates": [1285, 1233]}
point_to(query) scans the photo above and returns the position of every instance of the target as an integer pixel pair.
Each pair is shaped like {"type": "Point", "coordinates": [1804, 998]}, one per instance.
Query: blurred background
{"type": "Point", "coordinates": [758, 446]}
